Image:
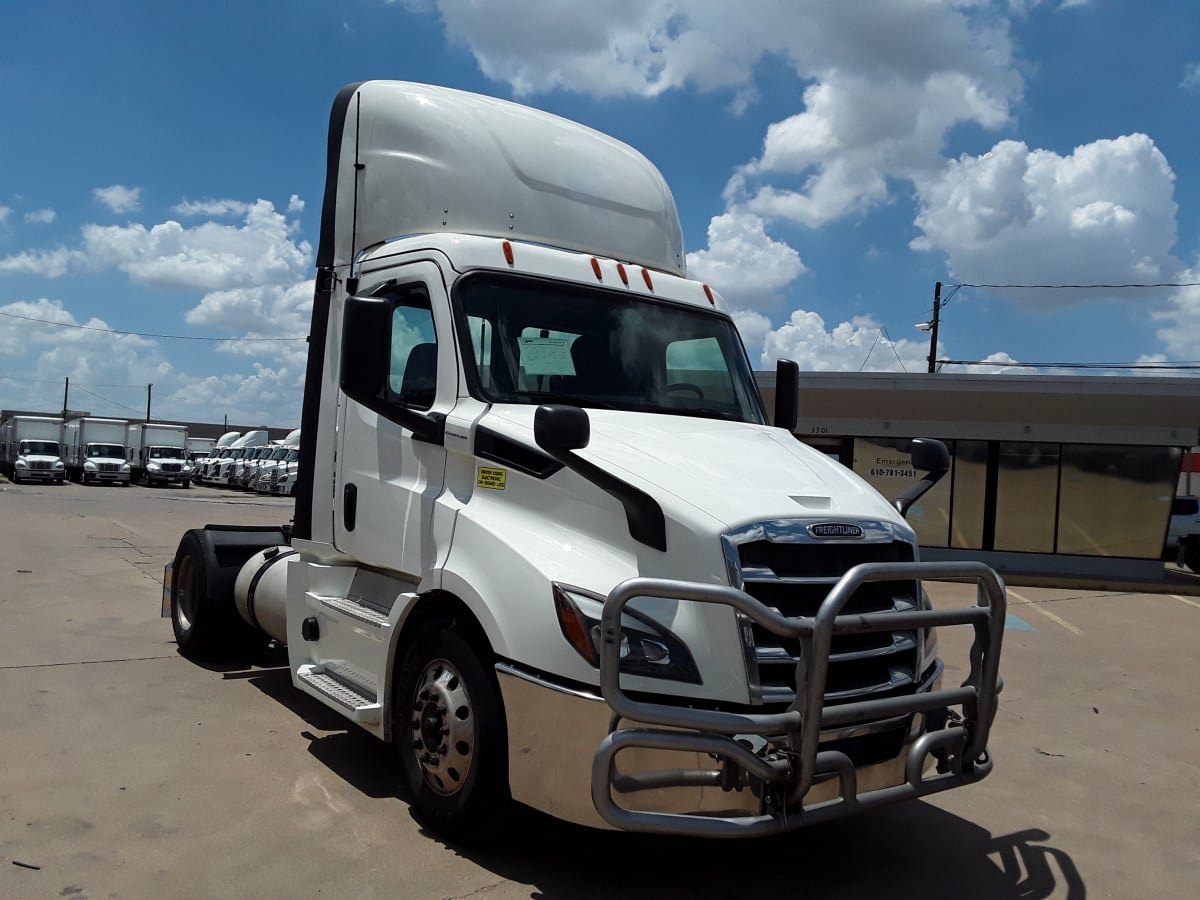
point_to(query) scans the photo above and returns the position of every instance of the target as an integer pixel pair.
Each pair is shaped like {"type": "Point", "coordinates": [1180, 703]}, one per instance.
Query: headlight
{"type": "Point", "coordinates": [125, 467]}
{"type": "Point", "coordinates": [89, 466]}
{"type": "Point", "coordinates": [152, 467]}
{"type": "Point", "coordinates": [648, 648]}
{"type": "Point", "coordinates": [21, 464]}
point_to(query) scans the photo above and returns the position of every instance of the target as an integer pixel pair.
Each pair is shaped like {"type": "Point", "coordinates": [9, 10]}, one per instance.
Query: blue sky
{"type": "Point", "coordinates": [161, 172]}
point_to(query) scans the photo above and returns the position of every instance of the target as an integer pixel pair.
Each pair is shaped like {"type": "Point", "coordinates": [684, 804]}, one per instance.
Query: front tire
{"type": "Point", "coordinates": [449, 731]}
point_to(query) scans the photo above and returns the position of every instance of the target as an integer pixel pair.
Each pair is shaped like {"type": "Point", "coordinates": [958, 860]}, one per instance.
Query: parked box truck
{"type": "Point", "coordinates": [31, 449]}
{"type": "Point", "coordinates": [546, 542]}
{"type": "Point", "coordinates": [94, 450]}
{"type": "Point", "coordinates": [157, 453]}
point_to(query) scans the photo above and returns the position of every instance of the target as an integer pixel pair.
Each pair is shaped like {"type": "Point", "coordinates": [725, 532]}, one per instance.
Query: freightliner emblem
{"type": "Point", "coordinates": [835, 530]}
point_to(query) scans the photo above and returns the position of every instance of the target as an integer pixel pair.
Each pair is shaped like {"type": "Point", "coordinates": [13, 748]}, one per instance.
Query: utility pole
{"type": "Point", "coordinates": [149, 389]}
{"type": "Point", "coordinates": [937, 308]}
{"type": "Point", "coordinates": [66, 387]}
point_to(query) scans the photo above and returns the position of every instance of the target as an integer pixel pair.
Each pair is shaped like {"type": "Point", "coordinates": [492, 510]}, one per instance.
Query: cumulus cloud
{"type": "Point", "coordinates": [260, 316]}
{"type": "Point", "coordinates": [46, 263]}
{"type": "Point", "coordinates": [214, 208]}
{"type": "Point", "coordinates": [208, 257]}
{"type": "Point", "coordinates": [41, 217]}
{"type": "Point", "coordinates": [1179, 317]}
{"type": "Point", "coordinates": [265, 395]}
{"type": "Point", "coordinates": [41, 353]}
{"type": "Point", "coordinates": [295, 205]}
{"type": "Point", "coordinates": [1191, 76]}
{"type": "Point", "coordinates": [849, 346]}
{"type": "Point", "coordinates": [119, 198]}
{"type": "Point", "coordinates": [744, 263]}
{"type": "Point", "coordinates": [1103, 214]}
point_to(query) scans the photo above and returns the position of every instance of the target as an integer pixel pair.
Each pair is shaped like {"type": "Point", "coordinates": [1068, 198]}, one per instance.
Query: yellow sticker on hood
{"type": "Point", "coordinates": [492, 479]}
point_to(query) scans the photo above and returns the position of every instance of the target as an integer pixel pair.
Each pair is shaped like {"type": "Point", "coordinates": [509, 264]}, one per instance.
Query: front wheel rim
{"type": "Point", "coordinates": [443, 734]}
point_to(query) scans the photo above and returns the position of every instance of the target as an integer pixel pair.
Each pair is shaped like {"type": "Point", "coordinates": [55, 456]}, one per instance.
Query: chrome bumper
{"type": "Point", "coordinates": [776, 758]}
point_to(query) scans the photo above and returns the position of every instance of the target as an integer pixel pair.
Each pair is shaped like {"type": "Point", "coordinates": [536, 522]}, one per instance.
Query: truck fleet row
{"type": "Point", "coordinates": [95, 450]}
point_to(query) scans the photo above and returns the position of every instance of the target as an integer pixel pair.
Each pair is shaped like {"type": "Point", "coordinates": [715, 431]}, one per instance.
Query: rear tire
{"type": "Point", "coordinates": [203, 615]}
{"type": "Point", "coordinates": [449, 729]}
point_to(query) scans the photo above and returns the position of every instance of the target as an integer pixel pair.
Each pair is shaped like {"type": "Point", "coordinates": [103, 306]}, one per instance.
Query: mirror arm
{"type": "Point", "coordinates": [917, 491]}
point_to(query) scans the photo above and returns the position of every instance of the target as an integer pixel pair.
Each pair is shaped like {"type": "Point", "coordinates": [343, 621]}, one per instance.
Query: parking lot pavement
{"type": "Point", "coordinates": [130, 772]}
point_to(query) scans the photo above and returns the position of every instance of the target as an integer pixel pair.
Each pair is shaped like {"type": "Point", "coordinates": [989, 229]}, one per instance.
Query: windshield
{"type": "Point", "coordinates": [39, 448]}
{"type": "Point", "coordinates": [166, 453]}
{"type": "Point", "coordinates": [106, 451]}
{"type": "Point", "coordinates": [293, 455]}
{"type": "Point", "coordinates": [546, 342]}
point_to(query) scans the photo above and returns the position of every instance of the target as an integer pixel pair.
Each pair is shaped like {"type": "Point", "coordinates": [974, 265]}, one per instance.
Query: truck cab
{"type": "Point", "coordinates": [546, 541]}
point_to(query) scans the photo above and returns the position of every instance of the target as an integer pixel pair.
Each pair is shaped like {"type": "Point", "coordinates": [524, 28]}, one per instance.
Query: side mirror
{"type": "Point", "coordinates": [364, 367]}
{"type": "Point", "coordinates": [787, 394]}
{"type": "Point", "coordinates": [560, 428]}
{"type": "Point", "coordinates": [366, 339]}
{"type": "Point", "coordinates": [927, 456]}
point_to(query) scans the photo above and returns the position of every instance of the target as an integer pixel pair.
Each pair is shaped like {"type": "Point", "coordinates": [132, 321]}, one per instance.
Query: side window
{"type": "Point", "coordinates": [412, 374]}
{"type": "Point", "coordinates": [697, 369]}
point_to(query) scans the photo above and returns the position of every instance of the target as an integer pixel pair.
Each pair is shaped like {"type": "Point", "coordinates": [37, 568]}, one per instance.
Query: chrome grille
{"type": "Point", "coordinates": [39, 465]}
{"type": "Point", "coordinates": [172, 467]}
{"type": "Point", "coordinates": [110, 467]}
{"type": "Point", "coordinates": [794, 579]}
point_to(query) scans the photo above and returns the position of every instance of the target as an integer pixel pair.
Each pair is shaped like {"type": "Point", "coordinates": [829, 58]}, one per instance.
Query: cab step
{"type": "Point", "coordinates": [363, 708]}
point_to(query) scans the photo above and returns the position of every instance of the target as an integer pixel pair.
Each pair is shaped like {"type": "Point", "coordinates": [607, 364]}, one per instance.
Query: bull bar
{"type": "Point", "coordinates": [960, 745]}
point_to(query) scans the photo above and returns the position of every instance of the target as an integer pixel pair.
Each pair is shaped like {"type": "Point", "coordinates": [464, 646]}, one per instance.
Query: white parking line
{"type": "Point", "coordinates": [1036, 607]}
{"type": "Point", "coordinates": [1186, 600]}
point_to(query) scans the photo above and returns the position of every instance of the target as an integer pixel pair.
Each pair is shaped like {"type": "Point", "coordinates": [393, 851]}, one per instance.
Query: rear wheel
{"type": "Point", "coordinates": [203, 616]}
{"type": "Point", "coordinates": [450, 734]}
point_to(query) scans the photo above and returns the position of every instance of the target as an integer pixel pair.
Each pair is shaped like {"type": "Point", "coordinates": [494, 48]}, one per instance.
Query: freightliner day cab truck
{"type": "Point", "coordinates": [545, 541]}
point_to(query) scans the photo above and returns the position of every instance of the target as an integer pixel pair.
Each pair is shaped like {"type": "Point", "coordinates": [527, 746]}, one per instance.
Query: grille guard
{"type": "Point", "coordinates": [961, 744]}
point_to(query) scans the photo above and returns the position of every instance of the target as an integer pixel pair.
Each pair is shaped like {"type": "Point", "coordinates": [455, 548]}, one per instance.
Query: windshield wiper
{"type": "Point", "coordinates": [697, 411]}
{"type": "Point", "coordinates": [568, 399]}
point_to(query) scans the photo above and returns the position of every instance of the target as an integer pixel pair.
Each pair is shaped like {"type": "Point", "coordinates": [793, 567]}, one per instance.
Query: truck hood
{"type": "Point", "coordinates": [733, 471]}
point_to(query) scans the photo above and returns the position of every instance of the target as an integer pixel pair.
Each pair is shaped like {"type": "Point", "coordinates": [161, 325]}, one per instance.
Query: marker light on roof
{"type": "Point", "coordinates": [708, 294]}
{"type": "Point", "coordinates": [596, 269]}
{"type": "Point", "coordinates": [624, 276]}
{"type": "Point", "coordinates": [646, 278]}
{"type": "Point", "coordinates": [508, 253]}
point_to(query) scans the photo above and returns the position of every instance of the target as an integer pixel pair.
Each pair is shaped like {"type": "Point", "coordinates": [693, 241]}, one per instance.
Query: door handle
{"type": "Point", "coordinates": [349, 506]}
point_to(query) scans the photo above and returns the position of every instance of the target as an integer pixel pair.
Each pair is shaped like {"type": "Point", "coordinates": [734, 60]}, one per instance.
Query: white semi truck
{"type": "Point", "coordinates": [545, 541]}
{"type": "Point", "coordinates": [157, 453]}
{"type": "Point", "coordinates": [31, 449]}
{"type": "Point", "coordinates": [94, 450]}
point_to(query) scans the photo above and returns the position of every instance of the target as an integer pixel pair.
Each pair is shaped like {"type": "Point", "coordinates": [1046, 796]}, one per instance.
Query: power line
{"type": "Point", "coordinates": [1079, 287]}
{"type": "Point", "coordinates": [892, 344]}
{"type": "Point", "coordinates": [169, 337]}
{"type": "Point", "coordinates": [105, 399]}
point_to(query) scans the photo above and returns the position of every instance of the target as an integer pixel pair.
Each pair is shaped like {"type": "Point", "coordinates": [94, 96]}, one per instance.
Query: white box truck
{"type": "Point", "coordinates": [94, 450]}
{"type": "Point", "coordinates": [546, 542]}
{"type": "Point", "coordinates": [31, 448]}
{"type": "Point", "coordinates": [157, 453]}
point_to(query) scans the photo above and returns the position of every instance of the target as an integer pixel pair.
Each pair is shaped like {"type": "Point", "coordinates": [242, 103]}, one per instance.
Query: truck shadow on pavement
{"type": "Point", "coordinates": [912, 850]}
